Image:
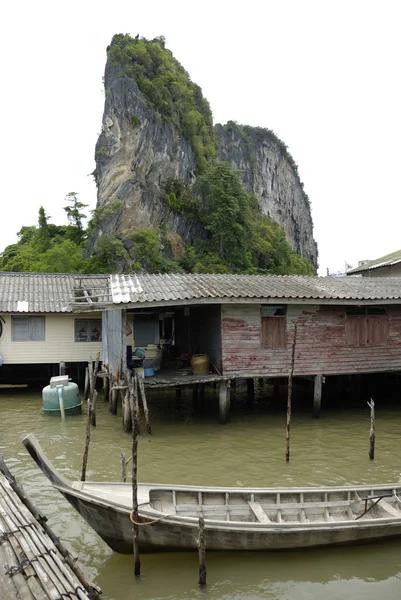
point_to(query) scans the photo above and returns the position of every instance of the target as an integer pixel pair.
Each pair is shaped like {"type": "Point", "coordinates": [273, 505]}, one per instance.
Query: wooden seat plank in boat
{"type": "Point", "coordinates": [388, 508]}
{"type": "Point", "coordinates": [258, 512]}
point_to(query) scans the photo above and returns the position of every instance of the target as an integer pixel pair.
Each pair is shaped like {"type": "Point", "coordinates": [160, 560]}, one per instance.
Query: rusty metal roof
{"type": "Point", "coordinates": [44, 292]}
{"type": "Point", "coordinates": [384, 261]}
{"type": "Point", "coordinates": [145, 288]}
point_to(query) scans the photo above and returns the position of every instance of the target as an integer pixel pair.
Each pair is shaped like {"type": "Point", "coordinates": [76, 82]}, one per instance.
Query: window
{"type": "Point", "coordinates": [88, 330]}
{"type": "Point", "coordinates": [146, 329]}
{"type": "Point", "coordinates": [366, 326]}
{"type": "Point", "coordinates": [28, 329]}
{"type": "Point", "coordinates": [274, 326]}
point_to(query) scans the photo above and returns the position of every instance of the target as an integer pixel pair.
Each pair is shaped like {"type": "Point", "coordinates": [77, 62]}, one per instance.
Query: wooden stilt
{"type": "Point", "coordinates": [250, 389]}
{"type": "Point", "coordinates": [114, 401]}
{"type": "Point", "coordinates": [86, 388]}
{"type": "Point", "coordinates": [106, 387]}
{"type": "Point", "coordinates": [202, 553]}
{"type": "Point", "coordinates": [144, 403]}
{"type": "Point", "coordinates": [195, 395]}
{"type": "Point", "coordinates": [201, 392]}
{"type": "Point", "coordinates": [123, 467]}
{"type": "Point", "coordinates": [127, 421]}
{"type": "Point", "coordinates": [224, 401]}
{"type": "Point", "coordinates": [289, 398]}
{"type": "Point", "coordinates": [372, 436]}
{"type": "Point", "coordinates": [317, 396]}
{"type": "Point", "coordinates": [276, 389]}
{"type": "Point", "coordinates": [87, 442]}
{"type": "Point", "coordinates": [178, 392]}
{"type": "Point", "coordinates": [134, 402]}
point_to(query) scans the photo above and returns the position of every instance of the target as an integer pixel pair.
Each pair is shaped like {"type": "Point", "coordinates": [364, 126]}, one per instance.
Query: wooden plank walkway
{"type": "Point", "coordinates": [34, 564]}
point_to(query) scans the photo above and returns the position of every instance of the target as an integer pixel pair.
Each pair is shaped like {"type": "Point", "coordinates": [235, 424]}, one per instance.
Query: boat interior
{"type": "Point", "coordinates": [280, 507]}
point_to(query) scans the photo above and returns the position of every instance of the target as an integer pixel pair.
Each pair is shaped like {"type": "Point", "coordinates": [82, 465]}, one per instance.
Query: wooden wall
{"type": "Point", "coordinates": [321, 345]}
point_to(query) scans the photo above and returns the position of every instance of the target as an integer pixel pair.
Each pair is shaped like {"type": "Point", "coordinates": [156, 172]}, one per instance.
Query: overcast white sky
{"type": "Point", "coordinates": [324, 75]}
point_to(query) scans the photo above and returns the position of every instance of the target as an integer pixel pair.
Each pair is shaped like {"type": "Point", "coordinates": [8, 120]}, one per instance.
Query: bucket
{"type": "Point", "coordinates": [200, 364]}
{"type": "Point", "coordinates": [149, 372]}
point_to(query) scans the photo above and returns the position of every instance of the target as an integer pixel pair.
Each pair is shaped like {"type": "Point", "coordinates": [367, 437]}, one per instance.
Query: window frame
{"type": "Point", "coordinates": [29, 327]}
{"type": "Point", "coordinates": [91, 323]}
{"type": "Point", "coordinates": [275, 337]}
{"type": "Point", "coordinates": [361, 326]}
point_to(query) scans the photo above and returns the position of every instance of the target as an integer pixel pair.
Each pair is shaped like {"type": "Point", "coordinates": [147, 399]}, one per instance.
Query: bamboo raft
{"type": "Point", "coordinates": [34, 563]}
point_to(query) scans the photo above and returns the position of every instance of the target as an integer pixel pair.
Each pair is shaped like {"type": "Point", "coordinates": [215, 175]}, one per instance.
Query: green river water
{"type": "Point", "coordinates": [190, 447]}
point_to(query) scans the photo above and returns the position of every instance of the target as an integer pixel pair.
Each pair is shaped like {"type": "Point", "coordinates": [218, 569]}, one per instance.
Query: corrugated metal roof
{"type": "Point", "coordinates": [43, 292]}
{"type": "Point", "coordinates": [146, 288]}
{"type": "Point", "coordinates": [384, 261]}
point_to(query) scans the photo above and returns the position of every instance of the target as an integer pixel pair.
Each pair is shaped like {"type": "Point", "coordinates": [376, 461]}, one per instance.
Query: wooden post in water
{"type": "Point", "coordinates": [87, 441]}
{"type": "Point", "coordinates": [92, 387]}
{"type": "Point", "coordinates": [133, 396]}
{"type": "Point", "coordinates": [106, 384]}
{"type": "Point", "coordinates": [224, 401]}
{"type": "Point", "coordinates": [86, 388]}
{"type": "Point", "coordinates": [289, 397]}
{"type": "Point", "coordinates": [92, 392]}
{"type": "Point", "coordinates": [317, 396]}
{"type": "Point", "coordinates": [144, 403]}
{"type": "Point", "coordinates": [372, 436]}
{"type": "Point", "coordinates": [202, 552]}
{"type": "Point", "coordinates": [250, 389]}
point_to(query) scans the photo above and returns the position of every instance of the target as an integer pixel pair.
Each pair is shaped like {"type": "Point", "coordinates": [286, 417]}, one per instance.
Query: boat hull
{"type": "Point", "coordinates": [115, 528]}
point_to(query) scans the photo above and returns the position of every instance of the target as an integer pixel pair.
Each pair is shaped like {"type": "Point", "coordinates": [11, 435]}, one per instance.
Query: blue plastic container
{"type": "Point", "coordinates": [149, 372]}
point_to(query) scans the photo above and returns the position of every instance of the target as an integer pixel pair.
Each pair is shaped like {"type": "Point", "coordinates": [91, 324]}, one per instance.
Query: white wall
{"type": "Point", "coordinates": [59, 344]}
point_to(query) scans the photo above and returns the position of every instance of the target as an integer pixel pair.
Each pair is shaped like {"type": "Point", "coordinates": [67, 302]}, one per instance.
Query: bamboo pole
{"type": "Point", "coordinates": [202, 553]}
{"type": "Point", "coordinates": [372, 436]}
{"type": "Point", "coordinates": [289, 398]}
{"type": "Point", "coordinates": [135, 529]}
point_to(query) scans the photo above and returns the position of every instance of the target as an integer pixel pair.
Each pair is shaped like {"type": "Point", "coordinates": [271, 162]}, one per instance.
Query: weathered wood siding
{"type": "Point", "coordinates": [321, 345]}
{"type": "Point", "coordinates": [59, 344]}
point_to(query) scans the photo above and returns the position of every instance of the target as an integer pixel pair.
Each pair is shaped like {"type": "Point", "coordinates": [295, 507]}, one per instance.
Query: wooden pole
{"type": "Point", "coordinates": [89, 415]}
{"type": "Point", "coordinates": [317, 395]}
{"type": "Point", "coordinates": [86, 388]}
{"type": "Point", "coordinates": [289, 397]}
{"type": "Point", "coordinates": [202, 553]}
{"type": "Point", "coordinates": [250, 389]}
{"type": "Point", "coordinates": [135, 529]}
{"type": "Point", "coordinates": [224, 401]}
{"type": "Point", "coordinates": [87, 442]}
{"type": "Point", "coordinates": [127, 421]}
{"type": "Point", "coordinates": [106, 384]}
{"type": "Point", "coordinates": [123, 467]}
{"type": "Point", "coordinates": [144, 403]}
{"type": "Point", "coordinates": [372, 436]}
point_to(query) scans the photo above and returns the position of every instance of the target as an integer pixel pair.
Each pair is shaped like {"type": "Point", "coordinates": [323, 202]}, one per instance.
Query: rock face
{"type": "Point", "coordinates": [269, 172]}
{"type": "Point", "coordinates": [138, 151]}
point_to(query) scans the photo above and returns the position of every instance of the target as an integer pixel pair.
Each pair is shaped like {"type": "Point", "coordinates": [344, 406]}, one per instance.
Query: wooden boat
{"type": "Point", "coordinates": [235, 518]}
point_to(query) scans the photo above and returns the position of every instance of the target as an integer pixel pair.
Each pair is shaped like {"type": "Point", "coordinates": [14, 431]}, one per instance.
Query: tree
{"type": "Point", "coordinates": [42, 237]}
{"type": "Point", "coordinates": [75, 216]}
{"type": "Point", "coordinates": [228, 213]}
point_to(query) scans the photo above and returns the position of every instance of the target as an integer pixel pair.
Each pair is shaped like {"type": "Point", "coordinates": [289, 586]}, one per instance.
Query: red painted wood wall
{"type": "Point", "coordinates": [321, 347]}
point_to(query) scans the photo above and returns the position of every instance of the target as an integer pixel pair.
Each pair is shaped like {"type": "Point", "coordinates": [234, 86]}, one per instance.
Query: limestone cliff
{"type": "Point", "coordinates": [269, 172]}
{"type": "Point", "coordinates": [139, 149]}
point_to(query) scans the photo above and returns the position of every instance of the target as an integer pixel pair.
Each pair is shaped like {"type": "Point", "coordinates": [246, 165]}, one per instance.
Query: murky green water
{"type": "Point", "coordinates": [189, 446]}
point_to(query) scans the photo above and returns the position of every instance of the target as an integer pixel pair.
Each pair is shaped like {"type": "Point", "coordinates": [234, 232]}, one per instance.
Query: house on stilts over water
{"type": "Point", "coordinates": [248, 326]}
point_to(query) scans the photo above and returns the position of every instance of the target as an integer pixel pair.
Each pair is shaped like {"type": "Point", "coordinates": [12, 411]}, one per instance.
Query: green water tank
{"type": "Point", "coordinates": [62, 392]}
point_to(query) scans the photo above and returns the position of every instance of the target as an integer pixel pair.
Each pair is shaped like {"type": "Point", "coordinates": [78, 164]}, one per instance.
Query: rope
{"type": "Point", "coordinates": [148, 522]}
